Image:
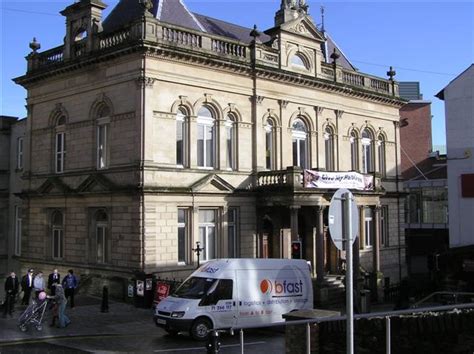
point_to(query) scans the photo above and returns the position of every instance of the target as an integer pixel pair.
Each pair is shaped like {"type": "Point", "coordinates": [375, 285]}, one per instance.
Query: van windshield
{"type": "Point", "coordinates": [194, 288]}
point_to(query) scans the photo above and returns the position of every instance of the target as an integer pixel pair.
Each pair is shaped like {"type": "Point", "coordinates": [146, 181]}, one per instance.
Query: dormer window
{"type": "Point", "coordinates": [298, 61]}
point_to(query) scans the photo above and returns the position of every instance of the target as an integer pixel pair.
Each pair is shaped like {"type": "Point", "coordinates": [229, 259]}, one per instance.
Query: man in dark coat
{"type": "Point", "coordinates": [53, 278]}
{"type": "Point", "coordinates": [27, 286]}
{"type": "Point", "coordinates": [11, 289]}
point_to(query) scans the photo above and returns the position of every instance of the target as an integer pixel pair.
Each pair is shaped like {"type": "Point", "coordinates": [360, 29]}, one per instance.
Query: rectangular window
{"type": "Point", "coordinates": [230, 147]}
{"type": "Point", "coordinates": [232, 233]}
{"type": "Point", "coordinates": [19, 154]}
{"type": "Point", "coordinates": [101, 237]}
{"type": "Point", "coordinates": [18, 227]}
{"type": "Point", "coordinates": [182, 235]}
{"type": "Point", "coordinates": [180, 140]}
{"type": "Point", "coordinates": [384, 226]}
{"type": "Point", "coordinates": [207, 233]}
{"type": "Point", "coordinates": [102, 146]}
{"type": "Point", "coordinates": [60, 152]}
{"type": "Point", "coordinates": [368, 220]}
{"type": "Point", "coordinates": [269, 149]}
{"type": "Point", "coordinates": [205, 145]}
{"type": "Point", "coordinates": [58, 243]}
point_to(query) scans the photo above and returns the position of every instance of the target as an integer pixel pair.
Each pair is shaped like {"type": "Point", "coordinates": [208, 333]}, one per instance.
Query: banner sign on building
{"type": "Point", "coordinates": [336, 180]}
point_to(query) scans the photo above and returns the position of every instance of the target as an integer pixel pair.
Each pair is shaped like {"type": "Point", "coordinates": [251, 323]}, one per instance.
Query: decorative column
{"type": "Point", "coordinates": [320, 244]}
{"type": "Point", "coordinates": [294, 222]}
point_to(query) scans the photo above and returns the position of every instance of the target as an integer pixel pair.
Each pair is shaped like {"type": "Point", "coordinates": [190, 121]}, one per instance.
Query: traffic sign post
{"type": "Point", "coordinates": [343, 225]}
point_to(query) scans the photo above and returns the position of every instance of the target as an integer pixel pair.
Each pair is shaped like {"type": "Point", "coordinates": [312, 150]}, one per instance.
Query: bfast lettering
{"type": "Point", "coordinates": [281, 288]}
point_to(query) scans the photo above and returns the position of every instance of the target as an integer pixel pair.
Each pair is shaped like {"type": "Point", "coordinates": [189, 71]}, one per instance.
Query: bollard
{"type": "Point", "coordinates": [213, 344]}
{"type": "Point", "coordinates": [105, 300]}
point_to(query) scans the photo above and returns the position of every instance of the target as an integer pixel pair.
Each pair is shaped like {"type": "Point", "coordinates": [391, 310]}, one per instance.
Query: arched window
{"type": "Point", "coordinates": [382, 169]}
{"type": "Point", "coordinates": [367, 151]}
{"type": "Point", "coordinates": [231, 141]}
{"type": "Point", "coordinates": [103, 122]}
{"type": "Point", "coordinates": [182, 122]}
{"type": "Point", "coordinates": [60, 144]}
{"type": "Point", "coordinates": [298, 61]}
{"type": "Point", "coordinates": [354, 151]}
{"type": "Point", "coordinates": [57, 230]}
{"type": "Point", "coordinates": [300, 144]}
{"type": "Point", "coordinates": [206, 132]}
{"type": "Point", "coordinates": [101, 236]}
{"type": "Point", "coordinates": [269, 145]}
{"type": "Point", "coordinates": [329, 148]}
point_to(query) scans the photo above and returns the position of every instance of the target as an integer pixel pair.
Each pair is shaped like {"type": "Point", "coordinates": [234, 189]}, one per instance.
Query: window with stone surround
{"type": "Point", "coordinates": [381, 155]}
{"type": "Point", "coordinates": [57, 234]}
{"type": "Point", "coordinates": [182, 121]}
{"type": "Point", "coordinates": [329, 148]}
{"type": "Point", "coordinates": [300, 144]}
{"type": "Point", "coordinates": [183, 235]}
{"type": "Point", "coordinates": [60, 144]}
{"type": "Point", "coordinates": [270, 140]}
{"type": "Point", "coordinates": [354, 151]}
{"type": "Point", "coordinates": [206, 139]}
{"type": "Point", "coordinates": [207, 233]}
{"type": "Point", "coordinates": [369, 229]}
{"type": "Point", "coordinates": [367, 151]}
{"type": "Point", "coordinates": [103, 123]}
{"type": "Point", "coordinates": [101, 233]}
{"type": "Point", "coordinates": [231, 142]}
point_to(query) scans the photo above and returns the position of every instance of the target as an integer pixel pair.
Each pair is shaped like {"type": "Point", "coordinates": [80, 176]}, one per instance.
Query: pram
{"type": "Point", "coordinates": [33, 315]}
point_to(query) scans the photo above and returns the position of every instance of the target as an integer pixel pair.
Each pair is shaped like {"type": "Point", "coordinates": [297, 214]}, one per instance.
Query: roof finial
{"type": "Point", "coordinates": [322, 18]}
{"type": "Point", "coordinates": [391, 73]}
{"type": "Point", "coordinates": [34, 45]}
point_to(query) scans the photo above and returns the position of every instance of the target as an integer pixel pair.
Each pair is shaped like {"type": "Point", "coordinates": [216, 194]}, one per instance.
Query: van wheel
{"type": "Point", "coordinates": [171, 331]}
{"type": "Point", "coordinates": [200, 329]}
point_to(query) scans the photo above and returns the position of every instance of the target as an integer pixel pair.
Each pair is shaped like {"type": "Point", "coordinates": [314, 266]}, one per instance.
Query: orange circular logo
{"type": "Point", "coordinates": [265, 286]}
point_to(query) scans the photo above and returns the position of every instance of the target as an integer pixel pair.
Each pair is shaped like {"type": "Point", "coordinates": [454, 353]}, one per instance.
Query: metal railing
{"type": "Point", "coordinates": [449, 297]}
{"type": "Point", "coordinates": [309, 322]}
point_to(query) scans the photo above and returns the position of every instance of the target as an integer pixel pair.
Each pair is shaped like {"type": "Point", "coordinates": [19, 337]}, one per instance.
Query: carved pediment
{"type": "Point", "coordinates": [95, 183]}
{"type": "Point", "coordinates": [54, 185]}
{"type": "Point", "coordinates": [212, 183]}
{"type": "Point", "coordinates": [305, 27]}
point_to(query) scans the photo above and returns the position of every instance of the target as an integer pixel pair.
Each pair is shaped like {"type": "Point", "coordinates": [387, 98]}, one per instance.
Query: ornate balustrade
{"type": "Point", "coordinates": [272, 178]}
{"type": "Point", "coordinates": [153, 31]}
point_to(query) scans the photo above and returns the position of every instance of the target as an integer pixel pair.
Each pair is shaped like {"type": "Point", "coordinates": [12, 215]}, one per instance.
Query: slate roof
{"type": "Point", "coordinates": [175, 12]}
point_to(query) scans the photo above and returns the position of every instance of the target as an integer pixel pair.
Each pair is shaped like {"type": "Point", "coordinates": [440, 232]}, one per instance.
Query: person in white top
{"type": "Point", "coordinates": [38, 283]}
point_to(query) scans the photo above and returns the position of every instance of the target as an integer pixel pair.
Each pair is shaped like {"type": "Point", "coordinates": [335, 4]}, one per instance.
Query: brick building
{"type": "Point", "coordinates": [158, 127]}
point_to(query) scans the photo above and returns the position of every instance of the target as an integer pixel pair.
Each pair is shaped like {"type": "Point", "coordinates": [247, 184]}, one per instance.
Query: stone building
{"type": "Point", "coordinates": [12, 133]}
{"type": "Point", "coordinates": [158, 127]}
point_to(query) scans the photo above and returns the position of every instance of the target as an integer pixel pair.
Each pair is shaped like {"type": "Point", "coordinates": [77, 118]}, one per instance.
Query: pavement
{"type": "Point", "coordinates": [86, 320]}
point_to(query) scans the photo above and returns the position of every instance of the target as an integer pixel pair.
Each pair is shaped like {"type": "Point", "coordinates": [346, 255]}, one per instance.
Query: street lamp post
{"type": "Point", "coordinates": [198, 251]}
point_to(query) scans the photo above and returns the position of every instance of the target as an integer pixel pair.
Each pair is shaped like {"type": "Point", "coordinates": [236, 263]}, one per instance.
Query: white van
{"type": "Point", "coordinates": [229, 293]}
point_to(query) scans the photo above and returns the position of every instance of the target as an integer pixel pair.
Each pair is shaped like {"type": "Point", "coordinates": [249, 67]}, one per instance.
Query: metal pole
{"type": "Point", "coordinates": [308, 338]}
{"type": "Point", "coordinates": [347, 223]}
{"type": "Point", "coordinates": [388, 336]}
{"type": "Point", "coordinates": [241, 341]}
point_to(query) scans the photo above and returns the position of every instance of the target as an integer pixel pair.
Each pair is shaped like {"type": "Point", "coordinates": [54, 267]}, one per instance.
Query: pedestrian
{"type": "Point", "coordinates": [27, 286]}
{"type": "Point", "coordinates": [38, 283]}
{"type": "Point", "coordinates": [11, 289]}
{"type": "Point", "coordinates": [61, 302]}
{"type": "Point", "coordinates": [69, 285]}
{"type": "Point", "coordinates": [53, 278]}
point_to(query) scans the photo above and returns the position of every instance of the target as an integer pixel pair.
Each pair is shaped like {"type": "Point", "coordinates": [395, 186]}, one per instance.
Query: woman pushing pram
{"type": "Point", "coordinates": [61, 302]}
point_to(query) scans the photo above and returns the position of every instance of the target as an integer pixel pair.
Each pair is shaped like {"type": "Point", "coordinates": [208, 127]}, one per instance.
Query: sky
{"type": "Point", "coordinates": [427, 41]}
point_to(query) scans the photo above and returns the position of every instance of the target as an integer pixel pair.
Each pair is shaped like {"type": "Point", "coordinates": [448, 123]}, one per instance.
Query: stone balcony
{"type": "Point", "coordinates": [154, 34]}
{"type": "Point", "coordinates": [293, 179]}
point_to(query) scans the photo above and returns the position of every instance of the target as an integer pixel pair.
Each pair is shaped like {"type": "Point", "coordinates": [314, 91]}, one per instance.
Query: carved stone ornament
{"type": "Point", "coordinates": [260, 99]}
{"type": "Point", "coordinates": [283, 103]}
{"type": "Point", "coordinates": [145, 81]}
{"type": "Point", "coordinates": [276, 44]}
{"type": "Point", "coordinates": [300, 28]}
{"type": "Point", "coordinates": [338, 113]}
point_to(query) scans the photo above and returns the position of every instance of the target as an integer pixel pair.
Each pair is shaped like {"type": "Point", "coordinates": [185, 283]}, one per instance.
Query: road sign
{"type": "Point", "coordinates": [335, 218]}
